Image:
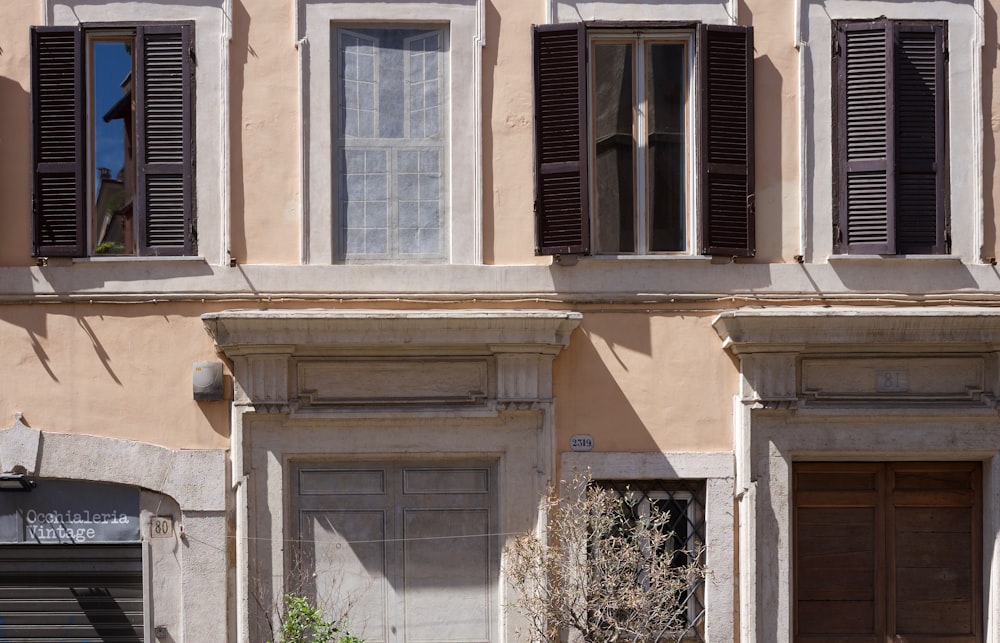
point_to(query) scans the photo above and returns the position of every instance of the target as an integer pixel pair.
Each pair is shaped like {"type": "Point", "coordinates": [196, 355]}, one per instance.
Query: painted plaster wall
{"type": "Point", "coordinates": [115, 371]}
{"type": "Point", "coordinates": [15, 134]}
{"type": "Point", "coordinates": [264, 131]}
{"type": "Point", "coordinates": [645, 382]}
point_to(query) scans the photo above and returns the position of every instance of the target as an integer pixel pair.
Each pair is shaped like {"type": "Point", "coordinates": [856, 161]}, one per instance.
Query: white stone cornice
{"type": "Point", "coordinates": [864, 329]}
{"type": "Point", "coordinates": [391, 331]}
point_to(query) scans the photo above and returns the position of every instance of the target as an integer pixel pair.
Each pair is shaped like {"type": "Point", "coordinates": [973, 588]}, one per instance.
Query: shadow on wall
{"type": "Point", "coordinates": [15, 177]}
{"type": "Point", "coordinates": [645, 383]}
{"type": "Point", "coordinates": [240, 51]}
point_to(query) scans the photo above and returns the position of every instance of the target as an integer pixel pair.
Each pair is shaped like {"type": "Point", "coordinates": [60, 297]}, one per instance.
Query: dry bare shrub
{"type": "Point", "coordinates": [604, 572]}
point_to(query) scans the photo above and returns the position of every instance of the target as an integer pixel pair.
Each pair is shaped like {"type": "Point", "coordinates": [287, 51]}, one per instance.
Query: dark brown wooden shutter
{"type": "Point", "coordinates": [58, 153]}
{"type": "Point", "coordinates": [892, 170]}
{"type": "Point", "coordinates": [164, 140]}
{"type": "Point", "coordinates": [921, 161]}
{"type": "Point", "coordinates": [562, 211]}
{"type": "Point", "coordinates": [726, 140]}
{"type": "Point", "coordinates": [864, 139]}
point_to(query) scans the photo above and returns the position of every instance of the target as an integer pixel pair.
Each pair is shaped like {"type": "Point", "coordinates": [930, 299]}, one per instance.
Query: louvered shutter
{"type": "Point", "coordinates": [562, 217]}
{"type": "Point", "coordinates": [920, 159]}
{"type": "Point", "coordinates": [865, 140]}
{"type": "Point", "coordinates": [74, 593]}
{"type": "Point", "coordinates": [726, 141]}
{"type": "Point", "coordinates": [58, 153]}
{"type": "Point", "coordinates": [164, 114]}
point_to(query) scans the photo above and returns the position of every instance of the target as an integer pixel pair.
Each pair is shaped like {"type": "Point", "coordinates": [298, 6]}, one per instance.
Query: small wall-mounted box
{"type": "Point", "coordinates": [207, 382]}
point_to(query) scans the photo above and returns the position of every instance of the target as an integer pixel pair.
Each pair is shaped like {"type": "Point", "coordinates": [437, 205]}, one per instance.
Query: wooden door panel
{"type": "Point", "coordinates": [898, 543]}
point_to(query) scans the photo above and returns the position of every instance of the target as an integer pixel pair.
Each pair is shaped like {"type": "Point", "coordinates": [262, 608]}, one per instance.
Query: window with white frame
{"type": "Point", "coordinates": [391, 142]}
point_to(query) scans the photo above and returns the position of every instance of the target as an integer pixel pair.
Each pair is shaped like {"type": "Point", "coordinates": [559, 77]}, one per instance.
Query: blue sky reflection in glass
{"type": "Point", "coordinates": [111, 65]}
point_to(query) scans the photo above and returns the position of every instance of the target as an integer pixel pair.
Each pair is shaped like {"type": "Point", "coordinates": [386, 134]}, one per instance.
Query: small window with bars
{"type": "Point", "coordinates": [683, 501]}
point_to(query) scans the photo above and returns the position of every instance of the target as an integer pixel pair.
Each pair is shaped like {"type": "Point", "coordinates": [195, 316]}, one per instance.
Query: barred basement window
{"type": "Point", "coordinates": [684, 502]}
{"type": "Point", "coordinates": [113, 161]}
{"type": "Point", "coordinates": [642, 130]}
{"type": "Point", "coordinates": [890, 119]}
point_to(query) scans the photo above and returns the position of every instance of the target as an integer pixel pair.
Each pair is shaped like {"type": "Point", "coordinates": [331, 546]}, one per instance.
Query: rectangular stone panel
{"type": "Point", "coordinates": [909, 378]}
{"type": "Point", "coordinates": [392, 381]}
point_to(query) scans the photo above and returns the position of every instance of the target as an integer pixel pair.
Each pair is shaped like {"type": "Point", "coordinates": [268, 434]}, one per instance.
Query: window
{"type": "Point", "coordinates": [113, 161]}
{"type": "Point", "coordinates": [391, 140]}
{"type": "Point", "coordinates": [888, 551]}
{"type": "Point", "coordinates": [890, 118]}
{"type": "Point", "coordinates": [647, 143]}
{"type": "Point", "coordinates": [684, 504]}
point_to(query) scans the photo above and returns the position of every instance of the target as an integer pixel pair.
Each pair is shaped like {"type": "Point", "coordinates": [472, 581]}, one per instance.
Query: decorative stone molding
{"type": "Point", "coordinates": [289, 360]}
{"type": "Point", "coordinates": [838, 356]}
{"type": "Point", "coordinates": [846, 330]}
{"type": "Point", "coordinates": [194, 478]}
{"type": "Point", "coordinates": [867, 384]}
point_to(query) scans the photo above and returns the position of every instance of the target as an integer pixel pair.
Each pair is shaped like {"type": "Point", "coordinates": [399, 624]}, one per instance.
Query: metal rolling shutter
{"type": "Point", "coordinates": [72, 593]}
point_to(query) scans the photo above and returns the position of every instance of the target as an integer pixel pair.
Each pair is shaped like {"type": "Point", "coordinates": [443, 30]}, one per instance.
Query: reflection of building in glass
{"type": "Point", "coordinates": [112, 217]}
{"type": "Point", "coordinates": [112, 225]}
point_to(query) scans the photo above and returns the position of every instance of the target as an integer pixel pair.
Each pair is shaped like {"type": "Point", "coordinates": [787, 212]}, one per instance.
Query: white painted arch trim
{"type": "Point", "coordinates": [196, 479]}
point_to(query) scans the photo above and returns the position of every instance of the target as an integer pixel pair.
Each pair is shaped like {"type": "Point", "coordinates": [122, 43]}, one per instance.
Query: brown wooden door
{"type": "Point", "coordinates": [887, 552]}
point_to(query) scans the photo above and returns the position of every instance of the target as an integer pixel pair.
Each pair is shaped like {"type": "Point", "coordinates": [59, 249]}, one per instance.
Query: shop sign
{"type": "Point", "coordinates": [64, 512]}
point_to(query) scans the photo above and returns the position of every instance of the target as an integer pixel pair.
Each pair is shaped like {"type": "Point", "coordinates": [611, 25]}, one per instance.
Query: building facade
{"type": "Point", "coordinates": [321, 296]}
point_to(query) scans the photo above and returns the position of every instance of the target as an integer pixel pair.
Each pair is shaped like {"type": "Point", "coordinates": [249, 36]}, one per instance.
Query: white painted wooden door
{"type": "Point", "coordinates": [403, 547]}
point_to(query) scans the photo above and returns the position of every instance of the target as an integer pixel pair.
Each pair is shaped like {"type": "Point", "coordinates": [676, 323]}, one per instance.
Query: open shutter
{"type": "Point", "coordinates": [562, 217]}
{"type": "Point", "coordinates": [865, 140]}
{"type": "Point", "coordinates": [58, 128]}
{"type": "Point", "coordinates": [164, 208]}
{"type": "Point", "coordinates": [726, 201]}
{"type": "Point", "coordinates": [921, 165]}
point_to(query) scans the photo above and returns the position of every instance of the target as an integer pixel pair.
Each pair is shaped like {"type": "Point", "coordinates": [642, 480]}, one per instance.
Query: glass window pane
{"type": "Point", "coordinates": [392, 96]}
{"type": "Point", "coordinates": [112, 161]}
{"type": "Point", "coordinates": [614, 164]}
{"type": "Point", "coordinates": [666, 92]}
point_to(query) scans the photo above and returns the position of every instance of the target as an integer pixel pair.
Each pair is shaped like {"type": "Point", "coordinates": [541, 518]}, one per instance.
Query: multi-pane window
{"type": "Point", "coordinates": [391, 144]}
{"type": "Point", "coordinates": [644, 135]}
{"type": "Point", "coordinates": [113, 140]}
{"type": "Point", "coordinates": [640, 121]}
{"type": "Point", "coordinates": [683, 501]}
{"type": "Point", "coordinates": [890, 121]}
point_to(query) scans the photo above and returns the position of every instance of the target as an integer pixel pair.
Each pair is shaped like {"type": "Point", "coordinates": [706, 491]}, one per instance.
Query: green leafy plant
{"type": "Point", "coordinates": [303, 622]}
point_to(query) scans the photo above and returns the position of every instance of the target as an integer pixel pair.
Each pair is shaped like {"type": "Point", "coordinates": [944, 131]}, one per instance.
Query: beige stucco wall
{"type": "Point", "coordinates": [116, 371]}
{"type": "Point", "coordinates": [645, 382]}
{"type": "Point", "coordinates": [15, 133]}
{"type": "Point", "coordinates": [264, 130]}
